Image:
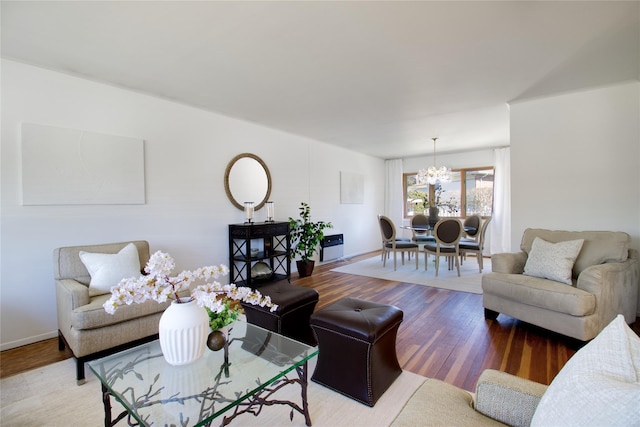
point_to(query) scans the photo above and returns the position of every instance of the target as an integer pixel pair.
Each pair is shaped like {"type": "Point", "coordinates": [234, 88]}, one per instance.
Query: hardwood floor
{"type": "Point", "coordinates": [444, 334]}
{"type": "Point", "coordinates": [20, 359]}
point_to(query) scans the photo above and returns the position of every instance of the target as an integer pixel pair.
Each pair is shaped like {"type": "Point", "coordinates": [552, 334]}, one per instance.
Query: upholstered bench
{"type": "Point", "coordinates": [291, 319]}
{"type": "Point", "coordinates": [357, 348]}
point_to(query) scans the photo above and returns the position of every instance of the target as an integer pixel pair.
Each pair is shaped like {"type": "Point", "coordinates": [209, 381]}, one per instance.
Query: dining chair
{"type": "Point", "coordinates": [476, 245]}
{"type": "Point", "coordinates": [471, 226]}
{"type": "Point", "coordinates": [420, 236]}
{"type": "Point", "coordinates": [398, 239]}
{"type": "Point", "coordinates": [391, 244]}
{"type": "Point", "coordinates": [447, 232]}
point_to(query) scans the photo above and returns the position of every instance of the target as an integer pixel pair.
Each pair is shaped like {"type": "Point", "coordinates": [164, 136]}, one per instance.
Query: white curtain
{"type": "Point", "coordinates": [393, 191]}
{"type": "Point", "coordinates": [500, 226]}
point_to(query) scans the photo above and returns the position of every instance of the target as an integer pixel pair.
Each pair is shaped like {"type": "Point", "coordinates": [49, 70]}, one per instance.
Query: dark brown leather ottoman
{"type": "Point", "coordinates": [291, 319]}
{"type": "Point", "coordinates": [357, 348]}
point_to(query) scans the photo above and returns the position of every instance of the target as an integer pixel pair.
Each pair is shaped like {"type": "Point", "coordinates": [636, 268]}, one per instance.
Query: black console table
{"type": "Point", "coordinates": [275, 252]}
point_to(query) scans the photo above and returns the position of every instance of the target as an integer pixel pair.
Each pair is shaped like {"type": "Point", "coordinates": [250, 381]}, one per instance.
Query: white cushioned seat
{"type": "Point", "coordinates": [541, 293]}
{"type": "Point", "coordinates": [93, 315]}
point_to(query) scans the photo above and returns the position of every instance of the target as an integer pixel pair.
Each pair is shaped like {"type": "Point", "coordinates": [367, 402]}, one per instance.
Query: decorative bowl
{"type": "Point", "coordinates": [261, 271]}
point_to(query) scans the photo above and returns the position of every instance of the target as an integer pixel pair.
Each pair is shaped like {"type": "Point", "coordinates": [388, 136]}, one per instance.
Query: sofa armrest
{"type": "Point", "coordinates": [507, 398]}
{"type": "Point", "coordinates": [508, 263]}
{"type": "Point", "coordinates": [71, 294]}
{"type": "Point", "coordinates": [615, 287]}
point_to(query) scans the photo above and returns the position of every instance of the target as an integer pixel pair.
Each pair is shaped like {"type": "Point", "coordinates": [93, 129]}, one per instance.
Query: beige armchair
{"type": "Point", "coordinates": [603, 283]}
{"type": "Point", "coordinates": [83, 325]}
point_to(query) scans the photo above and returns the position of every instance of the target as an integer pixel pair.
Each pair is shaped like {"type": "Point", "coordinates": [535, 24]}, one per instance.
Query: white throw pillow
{"type": "Point", "coordinates": [108, 270]}
{"type": "Point", "coordinates": [552, 261]}
{"type": "Point", "coordinates": [599, 385]}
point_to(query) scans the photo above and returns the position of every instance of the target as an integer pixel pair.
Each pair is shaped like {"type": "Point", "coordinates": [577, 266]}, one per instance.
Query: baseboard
{"type": "Point", "coordinates": [348, 257]}
{"type": "Point", "coordinates": [28, 340]}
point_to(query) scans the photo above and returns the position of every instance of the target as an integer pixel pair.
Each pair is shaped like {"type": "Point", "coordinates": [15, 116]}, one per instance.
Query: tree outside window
{"type": "Point", "coordinates": [469, 192]}
{"type": "Point", "coordinates": [416, 195]}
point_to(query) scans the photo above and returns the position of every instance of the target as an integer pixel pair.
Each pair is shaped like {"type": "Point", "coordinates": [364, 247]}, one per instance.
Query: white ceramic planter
{"type": "Point", "coordinates": [183, 331]}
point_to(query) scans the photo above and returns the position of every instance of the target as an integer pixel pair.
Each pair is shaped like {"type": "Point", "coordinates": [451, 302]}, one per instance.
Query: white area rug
{"type": "Point", "coordinates": [50, 397]}
{"type": "Point", "coordinates": [469, 280]}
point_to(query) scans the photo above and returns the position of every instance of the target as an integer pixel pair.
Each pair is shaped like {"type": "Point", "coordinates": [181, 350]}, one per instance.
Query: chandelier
{"type": "Point", "coordinates": [434, 174]}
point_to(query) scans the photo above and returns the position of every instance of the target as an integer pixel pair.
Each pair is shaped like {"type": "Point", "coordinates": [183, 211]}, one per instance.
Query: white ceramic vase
{"type": "Point", "coordinates": [183, 331]}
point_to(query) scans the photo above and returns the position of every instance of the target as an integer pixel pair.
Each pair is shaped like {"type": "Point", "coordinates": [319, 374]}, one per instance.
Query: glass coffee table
{"type": "Point", "coordinates": [243, 377]}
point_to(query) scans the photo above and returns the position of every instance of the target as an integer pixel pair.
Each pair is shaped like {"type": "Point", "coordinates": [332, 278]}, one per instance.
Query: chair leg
{"type": "Point", "coordinates": [426, 260]}
{"type": "Point", "coordinates": [384, 258]}
{"type": "Point", "coordinates": [395, 256]}
{"type": "Point", "coordinates": [61, 343]}
{"type": "Point", "coordinates": [490, 314]}
{"type": "Point", "coordinates": [417, 255]}
{"type": "Point", "coordinates": [480, 261]}
{"type": "Point", "coordinates": [80, 379]}
{"type": "Point", "coordinates": [457, 264]}
{"type": "Point", "coordinates": [437, 264]}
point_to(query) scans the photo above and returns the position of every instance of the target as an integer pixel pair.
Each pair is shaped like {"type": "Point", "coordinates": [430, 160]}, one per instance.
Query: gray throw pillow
{"type": "Point", "coordinates": [553, 261]}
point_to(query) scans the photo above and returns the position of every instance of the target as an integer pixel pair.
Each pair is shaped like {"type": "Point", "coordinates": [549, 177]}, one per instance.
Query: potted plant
{"type": "Point", "coordinates": [305, 238]}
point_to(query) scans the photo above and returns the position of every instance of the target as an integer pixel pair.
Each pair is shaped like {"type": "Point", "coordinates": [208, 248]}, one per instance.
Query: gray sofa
{"type": "Point", "coordinates": [500, 399]}
{"type": "Point", "coordinates": [604, 279]}
{"type": "Point", "coordinates": [598, 386]}
{"type": "Point", "coordinates": [83, 325]}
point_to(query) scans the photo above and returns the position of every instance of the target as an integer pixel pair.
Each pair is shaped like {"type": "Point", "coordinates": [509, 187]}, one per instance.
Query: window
{"type": "Point", "coordinates": [478, 192]}
{"type": "Point", "coordinates": [470, 192]}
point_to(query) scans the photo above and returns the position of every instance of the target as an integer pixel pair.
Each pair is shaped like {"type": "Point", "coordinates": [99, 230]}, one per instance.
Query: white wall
{"type": "Point", "coordinates": [461, 160]}
{"type": "Point", "coordinates": [575, 162]}
{"type": "Point", "coordinates": [186, 211]}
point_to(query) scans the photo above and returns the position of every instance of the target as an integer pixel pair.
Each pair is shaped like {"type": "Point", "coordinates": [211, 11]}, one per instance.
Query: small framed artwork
{"type": "Point", "coordinates": [351, 188]}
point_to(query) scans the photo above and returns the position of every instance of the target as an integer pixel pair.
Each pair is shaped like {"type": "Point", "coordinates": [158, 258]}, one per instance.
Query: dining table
{"type": "Point", "coordinates": [429, 229]}
{"type": "Point", "coordinates": [428, 236]}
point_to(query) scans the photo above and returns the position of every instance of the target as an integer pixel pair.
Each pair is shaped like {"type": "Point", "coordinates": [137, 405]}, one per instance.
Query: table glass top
{"type": "Point", "coordinates": [416, 227]}
{"type": "Point", "coordinates": [156, 393]}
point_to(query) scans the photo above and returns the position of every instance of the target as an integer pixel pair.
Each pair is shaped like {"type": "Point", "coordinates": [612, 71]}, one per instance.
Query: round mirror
{"type": "Point", "coordinates": [247, 179]}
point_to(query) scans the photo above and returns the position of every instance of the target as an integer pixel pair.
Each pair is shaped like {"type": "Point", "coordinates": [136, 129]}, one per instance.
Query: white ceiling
{"type": "Point", "coordinates": [380, 78]}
